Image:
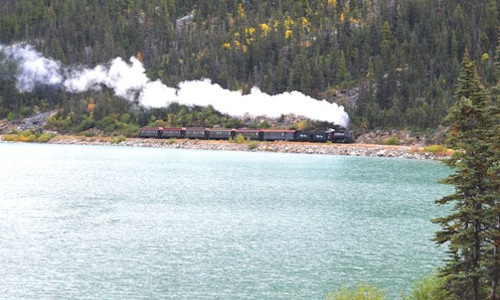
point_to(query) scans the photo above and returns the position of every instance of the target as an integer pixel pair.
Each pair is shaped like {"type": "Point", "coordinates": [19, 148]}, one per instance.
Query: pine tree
{"type": "Point", "coordinates": [492, 233]}
{"type": "Point", "coordinates": [466, 229]}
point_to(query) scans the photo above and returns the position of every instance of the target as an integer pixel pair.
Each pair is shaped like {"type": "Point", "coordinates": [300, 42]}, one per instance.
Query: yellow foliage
{"type": "Point", "coordinates": [250, 31]}
{"type": "Point", "coordinates": [241, 10]}
{"type": "Point", "coordinates": [11, 137]}
{"type": "Point", "coordinates": [23, 138]}
{"type": "Point", "coordinates": [226, 45]}
{"type": "Point", "coordinates": [332, 3]}
{"type": "Point", "coordinates": [288, 33]}
{"type": "Point", "coordinates": [342, 17]}
{"type": "Point", "coordinates": [305, 22]}
{"type": "Point", "coordinates": [265, 29]}
{"type": "Point", "coordinates": [91, 106]}
{"type": "Point", "coordinates": [302, 125]}
{"type": "Point", "coordinates": [237, 44]}
{"type": "Point", "coordinates": [244, 48]}
{"type": "Point", "coordinates": [485, 56]}
{"type": "Point", "coordinates": [289, 22]}
{"type": "Point", "coordinates": [276, 24]}
{"type": "Point", "coordinates": [236, 34]}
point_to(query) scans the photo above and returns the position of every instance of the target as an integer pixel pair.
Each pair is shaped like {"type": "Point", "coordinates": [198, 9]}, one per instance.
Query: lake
{"type": "Point", "coordinates": [98, 222]}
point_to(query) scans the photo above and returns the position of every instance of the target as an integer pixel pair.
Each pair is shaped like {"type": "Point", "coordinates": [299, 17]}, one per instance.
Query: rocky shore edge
{"type": "Point", "coordinates": [405, 152]}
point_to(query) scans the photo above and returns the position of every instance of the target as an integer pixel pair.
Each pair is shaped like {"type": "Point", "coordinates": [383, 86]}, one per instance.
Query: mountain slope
{"type": "Point", "coordinates": [402, 56]}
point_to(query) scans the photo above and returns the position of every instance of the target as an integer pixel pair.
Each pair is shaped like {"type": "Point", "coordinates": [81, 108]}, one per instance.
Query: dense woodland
{"type": "Point", "coordinates": [402, 56]}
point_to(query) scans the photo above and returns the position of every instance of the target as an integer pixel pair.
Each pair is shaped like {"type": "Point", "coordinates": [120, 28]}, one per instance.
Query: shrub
{"type": "Point", "coordinates": [265, 125]}
{"type": "Point", "coordinates": [11, 116]}
{"type": "Point", "coordinates": [119, 139]}
{"type": "Point", "coordinates": [171, 141]}
{"type": "Point", "coordinates": [45, 137]}
{"type": "Point", "coordinates": [11, 137]}
{"type": "Point", "coordinates": [58, 123]}
{"type": "Point", "coordinates": [31, 138]}
{"type": "Point", "coordinates": [25, 136]}
{"type": "Point", "coordinates": [86, 124]}
{"type": "Point", "coordinates": [430, 288]}
{"type": "Point", "coordinates": [131, 130]}
{"type": "Point", "coordinates": [88, 133]}
{"type": "Point", "coordinates": [391, 141]}
{"type": "Point", "coordinates": [240, 139]}
{"type": "Point", "coordinates": [253, 145]}
{"type": "Point", "coordinates": [361, 292]}
{"type": "Point", "coordinates": [435, 149]}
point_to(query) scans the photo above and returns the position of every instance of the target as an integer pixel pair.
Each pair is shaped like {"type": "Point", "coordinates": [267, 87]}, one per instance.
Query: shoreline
{"type": "Point", "coordinates": [371, 150]}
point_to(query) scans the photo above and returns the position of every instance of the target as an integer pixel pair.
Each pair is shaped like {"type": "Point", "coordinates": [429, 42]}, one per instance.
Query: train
{"type": "Point", "coordinates": [337, 134]}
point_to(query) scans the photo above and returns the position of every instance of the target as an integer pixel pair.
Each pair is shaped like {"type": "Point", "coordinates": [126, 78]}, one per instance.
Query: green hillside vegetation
{"type": "Point", "coordinates": [402, 56]}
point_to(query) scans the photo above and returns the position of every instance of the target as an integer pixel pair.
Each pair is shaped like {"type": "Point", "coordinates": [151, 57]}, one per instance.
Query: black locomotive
{"type": "Point", "coordinates": [335, 135]}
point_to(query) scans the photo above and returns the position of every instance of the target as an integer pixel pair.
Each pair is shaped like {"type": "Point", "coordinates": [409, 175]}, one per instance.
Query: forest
{"type": "Point", "coordinates": [400, 57]}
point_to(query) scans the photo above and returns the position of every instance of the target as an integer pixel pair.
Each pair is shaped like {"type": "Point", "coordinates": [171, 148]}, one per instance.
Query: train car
{"type": "Point", "coordinates": [168, 133]}
{"type": "Point", "coordinates": [278, 135]}
{"type": "Point", "coordinates": [319, 137]}
{"type": "Point", "coordinates": [221, 134]}
{"type": "Point", "coordinates": [252, 134]}
{"type": "Point", "coordinates": [304, 136]}
{"type": "Point", "coordinates": [149, 132]}
{"type": "Point", "coordinates": [197, 133]}
{"type": "Point", "coordinates": [314, 137]}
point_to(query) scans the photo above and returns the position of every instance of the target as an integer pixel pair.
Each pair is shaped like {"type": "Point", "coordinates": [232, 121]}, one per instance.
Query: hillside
{"type": "Point", "coordinates": [398, 59]}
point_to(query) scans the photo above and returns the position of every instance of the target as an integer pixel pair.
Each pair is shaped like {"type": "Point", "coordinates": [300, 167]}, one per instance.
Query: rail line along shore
{"type": "Point", "coordinates": [406, 152]}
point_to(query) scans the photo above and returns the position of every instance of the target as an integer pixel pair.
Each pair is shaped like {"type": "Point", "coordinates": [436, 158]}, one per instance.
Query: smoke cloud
{"type": "Point", "coordinates": [33, 68]}
{"type": "Point", "coordinates": [129, 80]}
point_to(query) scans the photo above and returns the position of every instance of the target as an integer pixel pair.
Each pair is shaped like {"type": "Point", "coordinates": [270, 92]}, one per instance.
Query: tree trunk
{"type": "Point", "coordinates": [475, 257]}
{"type": "Point", "coordinates": [494, 280]}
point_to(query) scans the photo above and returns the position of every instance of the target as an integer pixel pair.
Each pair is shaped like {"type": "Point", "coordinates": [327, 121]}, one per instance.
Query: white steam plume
{"type": "Point", "coordinates": [129, 80]}
{"type": "Point", "coordinates": [33, 68]}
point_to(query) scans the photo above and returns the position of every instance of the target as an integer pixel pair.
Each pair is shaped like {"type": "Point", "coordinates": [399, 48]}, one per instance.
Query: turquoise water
{"type": "Point", "coordinates": [95, 222]}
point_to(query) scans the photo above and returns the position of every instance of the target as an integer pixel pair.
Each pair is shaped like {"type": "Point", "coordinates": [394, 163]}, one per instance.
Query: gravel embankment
{"type": "Point", "coordinates": [407, 152]}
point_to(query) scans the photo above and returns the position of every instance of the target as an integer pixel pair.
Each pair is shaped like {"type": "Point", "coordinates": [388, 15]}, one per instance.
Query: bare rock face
{"type": "Point", "coordinates": [393, 137]}
{"type": "Point", "coordinates": [437, 136]}
{"type": "Point", "coordinates": [34, 122]}
{"type": "Point", "coordinates": [345, 97]}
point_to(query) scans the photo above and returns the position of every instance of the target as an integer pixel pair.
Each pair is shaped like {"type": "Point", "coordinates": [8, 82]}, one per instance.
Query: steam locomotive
{"type": "Point", "coordinates": [337, 134]}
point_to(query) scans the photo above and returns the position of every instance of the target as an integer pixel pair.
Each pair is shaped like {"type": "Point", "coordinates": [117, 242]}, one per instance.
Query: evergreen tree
{"type": "Point", "coordinates": [492, 233]}
{"type": "Point", "coordinates": [467, 229]}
